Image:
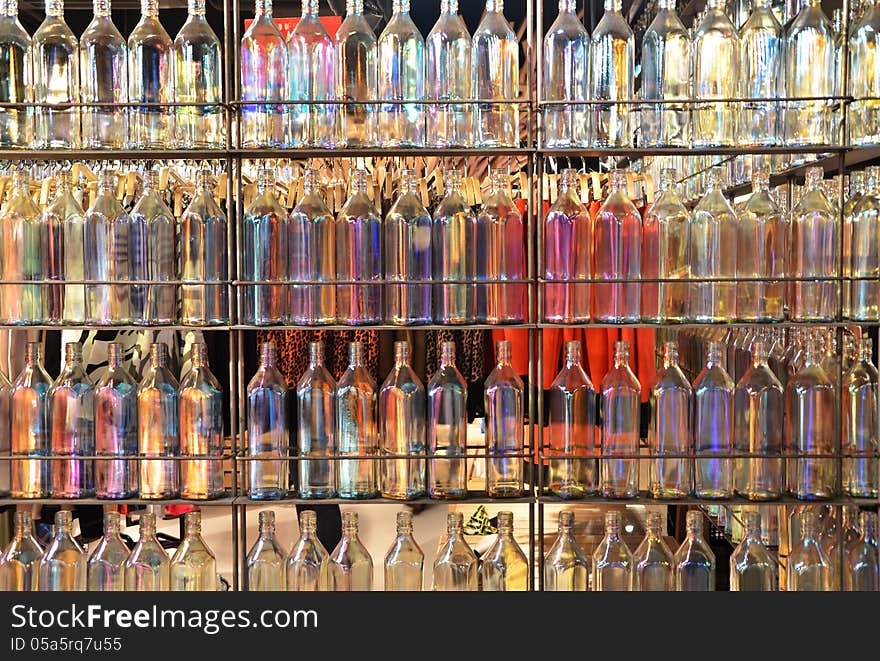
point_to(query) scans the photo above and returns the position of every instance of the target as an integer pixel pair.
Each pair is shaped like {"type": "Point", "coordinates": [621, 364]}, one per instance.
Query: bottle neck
{"type": "Point", "coordinates": [73, 353]}
{"type": "Point", "coordinates": [868, 525]}
{"type": "Point", "coordinates": [400, 6]}
{"type": "Point", "coordinates": [148, 525]}
{"type": "Point", "coordinates": [106, 183]}
{"type": "Point", "coordinates": [568, 181]}
{"type": "Point", "coordinates": [267, 524]}
{"type": "Point", "coordinates": [666, 5]}
{"type": "Point", "coordinates": [760, 181]}
{"type": "Point", "coordinates": [354, 7]}
{"type": "Point", "coordinates": [196, 7]}
{"type": "Point", "coordinates": [24, 525]}
{"type": "Point", "coordinates": [759, 354]}
{"type": "Point", "coordinates": [865, 349]}
{"type": "Point", "coordinates": [621, 354]}
{"type": "Point", "coordinates": [714, 354]}
{"type": "Point", "coordinates": [813, 179]}
{"type": "Point", "coordinates": [33, 354]}
{"type": "Point", "coordinates": [309, 8]}
{"type": "Point", "coordinates": [55, 8]}
{"type": "Point", "coordinates": [447, 353]}
{"type": "Point", "coordinates": [404, 524]}
{"type": "Point", "coordinates": [695, 527]}
{"type": "Point", "coordinates": [263, 8]}
{"type": "Point", "coordinates": [308, 180]}
{"type": "Point", "coordinates": [158, 355]}
{"type": "Point", "coordinates": [150, 8]}
{"type": "Point", "coordinates": [199, 356]}
{"type": "Point", "coordinates": [454, 524]}
{"type": "Point", "coordinates": [316, 354]}
{"type": "Point", "coordinates": [495, 6]}
{"type": "Point", "coordinates": [63, 524]}
{"type": "Point", "coordinates": [753, 525]}
{"type": "Point", "coordinates": [101, 8]}
{"type": "Point", "coordinates": [567, 6]}
{"type": "Point", "coordinates": [409, 183]}
{"type": "Point", "coordinates": [667, 180]}
{"type": "Point", "coordinates": [613, 5]}
{"type": "Point", "coordinates": [504, 353]}
{"type": "Point", "coordinates": [616, 181]}
{"type": "Point", "coordinates": [573, 353]}
{"type": "Point", "coordinates": [193, 524]}
{"type": "Point", "coordinates": [114, 355]}
{"type": "Point", "coordinates": [670, 355]}
{"type": "Point", "coordinates": [401, 354]}
{"type": "Point", "coordinates": [112, 524]}
{"type": "Point", "coordinates": [448, 6]}
{"type": "Point", "coordinates": [151, 179]}
{"type": "Point", "coordinates": [355, 354]}
{"type": "Point", "coordinates": [359, 181]}
{"type": "Point", "coordinates": [267, 354]}
{"type": "Point", "coordinates": [505, 525]}
{"type": "Point", "coordinates": [566, 523]}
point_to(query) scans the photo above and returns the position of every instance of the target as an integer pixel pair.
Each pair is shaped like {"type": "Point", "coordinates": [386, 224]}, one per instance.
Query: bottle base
{"type": "Point", "coordinates": [358, 495]}
{"type": "Point", "coordinates": [267, 494]}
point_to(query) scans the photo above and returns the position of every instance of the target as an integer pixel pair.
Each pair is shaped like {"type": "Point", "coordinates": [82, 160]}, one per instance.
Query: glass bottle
{"type": "Point", "coordinates": [21, 230]}
{"type": "Point", "coordinates": [716, 75]}
{"type": "Point", "coordinates": [694, 560]}
{"type": "Point", "coordinates": [808, 566]}
{"type": "Point", "coordinates": [356, 428]}
{"type": "Point", "coordinates": [402, 429]}
{"type": "Point", "coordinates": [103, 76]}
{"type": "Point", "coordinates": [265, 561]}
{"type": "Point", "coordinates": [669, 431]}
{"type": "Point", "coordinates": [861, 418]}
{"type": "Point", "coordinates": [571, 406]}
{"type": "Point", "coordinates": [752, 567]}
{"type": "Point", "coordinates": [30, 436]}
{"type": "Point", "coordinates": [356, 77]}
{"type": "Point", "coordinates": [504, 567]}
{"type": "Point", "coordinates": [837, 542]}
{"type": "Point", "coordinates": [568, 240]}
{"type": "Point", "coordinates": [148, 567]}
{"type": "Point", "coordinates": [5, 435]}
{"type": "Point", "coordinates": [654, 562]}
{"type": "Point", "coordinates": [454, 244]}
{"type": "Point", "coordinates": [612, 560]}
{"type": "Point", "coordinates": [758, 410]}
{"type": "Point", "coordinates": [447, 428]}
{"type": "Point", "coordinates": [856, 190]}
{"type": "Point", "coordinates": [20, 561]}
{"type": "Point", "coordinates": [316, 406]}
{"type": "Point", "coordinates": [158, 422]}
{"type": "Point", "coordinates": [193, 565]}
{"type": "Point", "coordinates": [359, 256]}
{"type": "Point", "coordinates": [198, 79]}
{"type": "Point", "coordinates": [863, 224]}
{"type": "Point", "coordinates": [617, 240]}
{"type": "Point", "coordinates": [861, 572]}
{"type": "Point", "coordinates": [268, 440]}
{"type": "Point", "coordinates": [620, 394]}
{"type": "Point", "coordinates": [665, 64]}
{"type": "Point", "coordinates": [201, 429]}
{"type": "Point", "coordinates": [106, 565]}
{"type": "Point", "coordinates": [63, 565]}
{"type": "Point", "coordinates": [713, 426]}
{"type": "Point", "coordinates": [116, 429]}
{"type": "Point", "coordinates": [153, 242]}
{"type": "Point", "coordinates": [401, 80]}
{"type": "Point", "coordinates": [664, 254]}
{"type": "Point", "coordinates": [713, 254]}
{"type": "Point", "coordinates": [861, 45]}
{"type": "Point", "coordinates": [351, 567]}
{"type": "Point", "coordinates": [307, 565]}
{"type": "Point", "coordinates": [16, 124]}
{"type": "Point", "coordinates": [566, 568]}
{"type": "Point", "coordinates": [505, 432]}
{"type": "Point", "coordinates": [70, 406]}
{"type": "Point", "coordinates": [500, 249]}
{"type": "Point", "coordinates": [264, 80]}
{"type": "Point", "coordinates": [404, 562]}
{"type": "Point", "coordinates": [108, 256]}
{"type": "Point", "coordinates": [761, 70]}
{"type": "Point", "coordinates": [809, 429]}
{"type": "Point", "coordinates": [448, 78]}
{"type": "Point", "coordinates": [312, 256]}
{"type": "Point", "coordinates": [612, 55]}
{"type": "Point", "coordinates": [408, 255]}
{"type": "Point", "coordinates": [495, 78]}
{"type": "Point", "coordinates": [150, 80]}
{"type": "Point", "coordinates": [566, 57]}
{"type": "Point", "coordinates": [311, 60]}
{"type": "Point", "coordinates": [56, 80]}
{"type": "Point", "coordinates": [64, 221]}
{"type": "Point", "coordinates": [264, 235]}
{"type": "Point", "coordinates": [456, 568]}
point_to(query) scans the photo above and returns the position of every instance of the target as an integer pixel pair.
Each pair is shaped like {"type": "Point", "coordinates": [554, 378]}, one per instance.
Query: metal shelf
{"type": "Point", "coordinates": [645, 498]}
{"type": "Point", "coordinates": [224, 501]}
{"type": "Point", "coordinates": [475, 497]}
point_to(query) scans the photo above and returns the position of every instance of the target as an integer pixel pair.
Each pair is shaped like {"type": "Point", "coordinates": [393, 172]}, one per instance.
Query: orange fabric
{"type": "Point", "coordinates": [645, 358]}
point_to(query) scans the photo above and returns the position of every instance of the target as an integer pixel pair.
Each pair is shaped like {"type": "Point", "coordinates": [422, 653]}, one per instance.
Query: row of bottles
{"type": "Point", "coordinates": [175, 428]}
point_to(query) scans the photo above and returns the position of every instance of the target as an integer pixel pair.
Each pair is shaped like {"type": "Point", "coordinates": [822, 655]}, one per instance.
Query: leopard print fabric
{"type": "Point", "coordinates": [292, 350]}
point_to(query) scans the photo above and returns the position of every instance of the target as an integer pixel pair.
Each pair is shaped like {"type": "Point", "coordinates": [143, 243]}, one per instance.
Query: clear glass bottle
{"type": "Point", "coordinates": [761, 76]}
{"type": "Point", "coordinates": [612, 60]}
{"type": "Point", "coordinates": [198, 79]}
{"type": "Point", "coordinates": [116, 429]}
{"type": "Point", "coordinates": [265, 235]}
{"type": "Point", "coordinates": [408, 255]}
{"type": "Point", "coordinates": [311, 61]}
{"type": "Point", "coordinates": [862, 226]}
{"type": "Point", "coordinates": [669, 431]}
{"type": "Point", "coordinates": [193, 565]}
{"type": "Point", "coordinates": [712, 249]}
{"type": "Point", "coordinates": [404, 562]}
{"type": "Point", "coordinates": [861, 419]}
{"type": "Point", "coordinates": [106, 565]}
{"type": "Point", "coordinates": [861, 571]}
{"type": "Point", "coordinates": [401, 80]}
{"type": "Point", "coordinates": [63, 567]}
{"type": "Point", "coordinates": [752, 567]}
{"type": "Point", "coordinates": [808, 567]}
{"type": "Point", "coordinates": [148, 567]}
{"type": "Point", "coordinates": [30, 433]}
{"type": "Point", "coordinates": [268, 440]}
{"type": "Point", "coordinates": [448, 78]}
{"type": "Point", "coordinates": [357, 429]}
{"type": "Point", "coordinates": [64, 221]}
{"type": "Point", "coordinates": [613, 563]}
{"type": "Point", "coordinates": [694, 560]}
{"type": "Point", "coordinates": [495, 78]}
{"type": "Point", "coordinates": [150, 80]}
{"type": "Point", "coordinates": [21, 230]}
{"type": "Point", "coordinates": [759, 403]}
{"type": "Point", "coordinates": [505, 431]}
{"type": "Point", "coordinates": [158, 427]}
{"type": "Point", "coordinates": [70, 406]}
{"type": "Point", "coordinates": [571, 407]}
{"type": "Point", "coordinates": [456, 568]}
{"type": "Point", "coordinates": [666, 57]}
{"type": "Point", "coordinates": [20, 561]}
{"type": "Point", "coordinates": [359, 256]}
{"type": "Point", "coordinates": [654, 562]}
{"type": "Point", "coordinates": [103, 76]}
{"type": "Point", "coordinates": [713, 426]}
{"type": "Point", "coordinates": [351, 567]}
{"type": "Point", "coordinates": [568, 240]}
{"type": "Point", "coordinates": [856, 190]}
{"type": "Point", "coordinates": [664, 253]}
{"type": "Point", "coordinates": [307, 565]}
{"type": "Point", "coordinates": [402, 429]}
{"type": "Point", "coordinates": [862, 46]}
{"type": "Point", "coordinates": [566, 61]}
{"type": "Point", "coordinates": [838, 542]}
{"type": "Point", "coordinates": [357, 77]}
{"type": "Point", "coordinates": [201, 429]}
{"type": "Point", "coordinates": [153, 239]}
{"type": "Point", "coordinates": [617, 240]}
{"type": "Point", "coordinates": [265, 561]}
{"type": "Point", "coordinates": [716, 75]}
{"type": "Point", "coordinates": [56, 81]}
{"type": "Point", "coordinates": [454, 244]}
{"type": "Point", "coordinates": [566, 568]}
{"type": "Point", "coordinates": [447, 428]}
{"type": "Point", "coordinates": [264, 80]}
{"type": "Point", "coordinates": [504, 567]}
{"type": "Point", "coordinates": [312, 245]}
{"type": "Point", "coordinates": [16, 124]}
{"type": "Point", "coordinates": [316, 406]}
{"type": "Point", "coordinates": [108, 257]}
{"type": "Point", "coordinates": [5, 434]}
{"type": "Point", "coordinates": [620, 394]}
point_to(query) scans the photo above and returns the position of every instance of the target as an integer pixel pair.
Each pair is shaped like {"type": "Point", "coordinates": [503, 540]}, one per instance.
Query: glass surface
{"type": "Point", "coordinates": [496, 77]}
{"type": "Point", "coordinates": [713, 427]}
{"type": "Point", "coordinates": [456, 568]}
{"type": "Point", "coordinates": [401, 78]}
{"type": "Point", "coordinates": [351, 567]}
{"type": "Point", "coordinates": [694, 560]}
{"type": "Point", "coordinates": [150, 80]}
{"type": "Point", "coordinates": [612, 60]}
{"type": "Point", "coordinates": [669, 431]}
{"type": "Point", "coordinates": [448, 66]}
{"type": "Point", "coordinates": [620, 394]}
{"type": "Point", "coordinates": [716, 76]}
{"type": "Point", "coordinates": [357, 430]}
{"type": "Point", "coordinates": [356, 77]}
{"type": "Point", "coordinates": [454, 244]}
{"type": "Point", "coordinates": [106, 565]}
{"type": "Point", "coordinates": [762, 63]}
{"type": "Point", "coordinates": [654, 562]}
{"type": "Point", "coordinates": [316, 406]}
{"type": "Point", "coordinates": [21, 229]}
{"type": "Point", "coordinates": [158, 428]}
{"type": "Point", "coordinates": [264, 78]}
{"type": "Point", "coordinates": [752, 566]}
{"type": "Point", "coordinates": [63, 567]}
{"type": "Point", "coordinates": [148, 567]}
{"type": "Point", "coordinates": [613, 563]}
{"type": "Point", "coordinates": [116, 429]}
{"type": "Point", "coordinates": [30, 433]}
{"type": "Point", "coordinates": [566, 51]}
{"type": "Point", "coordinates": [312, 258]}
{"type": "Point", "coordinates": [20, 561]}
{"type": "Point", "coordinates": [193, 565]}
{"type": "Point", "coordinates": [103, 76]}
{"type": "Point", "coordinates": [404, 561]}
{"type": "Point", "coordinates": [265, 238]}
{"type": "Point", "coordinates": [268, 440]}
{"type": "Point", "coordinates": [504, 567]}
{"type": "Point", "coordinates": [201, 430]}
{"type": "Point", "coordinates": [447, 428]}
{"type": "Point", "coordinates": [566, 568]}
{"type": "Point", "coordinates": [505, 431]}
{"type": "Point", "coordinates": [265, 560]}
{"type": "Point", "coordinates": [55, 52]}
{"type": "Point", "coordinates": [307, 565]}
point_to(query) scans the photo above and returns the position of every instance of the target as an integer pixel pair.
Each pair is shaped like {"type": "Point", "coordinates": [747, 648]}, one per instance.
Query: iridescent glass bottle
{"type": "Point", "coordinates": [761, 69]}
{"type": "Point", "coordinates": [30, 433]}
{"type": "Point", "coordinates": [495, 78]}
{"type": "Point", "coordinates": [316, 406]}
{"type": "Point", "coordinates": [268, 440]}
{"type": "Point", "coordinates": [861, 571]}
{"type": "Point", "coordinates": [620, 394]}
{"type": "Point", "coordinates": [669, 431]}
{"type": "Point", "coordinates": [158, 421]}
{"type": "Point", "coordinates": [447, 428]}
{"type": "Point", "coordinates": [612, 55]}
{"type": "Point", "coordinates": [863, 114]}
{"type": "Point", "coordinates": [713, 426]}
{"type": "Point", "coordinates": [106, 566]}
{"type": "Point", "coordinates": [63, 565]}
{"type": "Point", "coordinates": [56, 81]}
{"type": "Point", "coordinates": [64, 221]}
{"type": "Point", "coordinates": [265, 561]}
{"type": "Point", "coordinates": [752, 567]}
{"type": "Point", "coordinates": [16, 124]}
{"type": "Point", "coordinates": [201, 429]}
{"type": "Point", "coordinates": [21, 230]}
{"type": "Point", "coordinates": [116, 429]}
{"type": "Point", "coordinates": [505, 431]}
{"type": "Point", "coordinates": [861, 426]}
{"type": "Point", "coordinates": [150, 80]}
{"type": "Point", "coordinates": [448, 72]}
{"type": "Point", "coordinates": [356, 77]}
{"type": "Point", "coordinates": [357, 429]}
{"type": "Point", "coordinates": [566, 52]}
{"type": "Point", "coordinates": [454, 244]}
{"type": "Point", "coordinates": [862, 227]}
{"type": "Point", "coordinates": [694, 561]}
{"type": "Point", "coordinates": [5, 433]}
{"type": "Point", "coordinates": [613, 563]}
{"type": "Point", "coordinates": [148, 567]}
{"type": "Point", "coordinates": [504, 567]}
{"type": "Point", "coordinates": [808, 567]}
{"type": "Point", "coordinates": [404, 562]}
{"type": "Point", "coordinates": [193, 565]}
{"type": "Point", "coordinates": [837, 542]}
{"type": "Point", "coordinates": [307, 566]}
{"type": "Point", "coordinates": [351, 567]}
{"type": "Point", "coordinates": [153, 243]}
{"type": "Point", "coordinates": [653, 561]}
{"type": "Point", "coordinates": [20, 561]}
{"type": "Point", "coordinates": [312, 258]}
{"type": "Point", "coordinates": [264, 80]}
{"type": "Point", "coordinates": [103, 76]}
{"type": "Point", "coordinates": [716, 75]}
{"type": "Point", "coordinates": [402, 430]}
{"type": "Point", "coordinates": [566, 568]}
{"type": "Point", "coordinates": [401, 80]}
{"type": "Point", "coordinates": [456, 568]}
